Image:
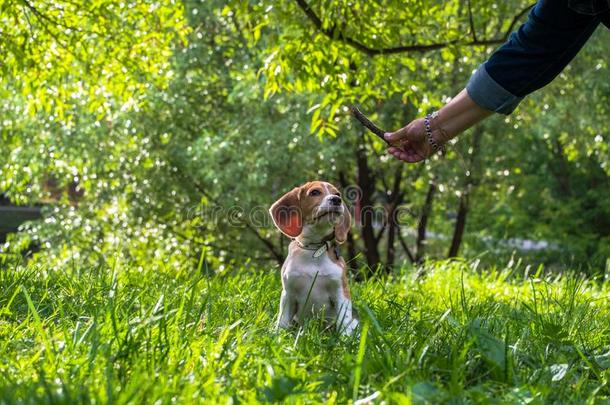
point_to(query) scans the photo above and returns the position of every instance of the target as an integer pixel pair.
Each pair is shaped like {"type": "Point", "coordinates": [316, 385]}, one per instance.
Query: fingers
{"type": "Point", "coordinates": [407, 142]}
{"type": "Point", "coordinates": [407, 154]}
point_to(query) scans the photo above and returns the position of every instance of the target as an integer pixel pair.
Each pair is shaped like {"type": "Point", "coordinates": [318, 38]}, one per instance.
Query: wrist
{"type": "Point", "coordinates": [436, 137]}
{"type": "Point", "coordinates": [440, 136]}
{"type": "Point", "coordinates": [439, 126]}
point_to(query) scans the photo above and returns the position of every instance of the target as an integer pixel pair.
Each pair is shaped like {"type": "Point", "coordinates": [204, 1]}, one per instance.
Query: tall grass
{"type": "Point", "coordinates": [457, 333]}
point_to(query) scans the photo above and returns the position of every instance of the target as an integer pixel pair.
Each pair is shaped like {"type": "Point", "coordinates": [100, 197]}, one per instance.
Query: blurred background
{"type": "Point", "coordinates": [160, 132]}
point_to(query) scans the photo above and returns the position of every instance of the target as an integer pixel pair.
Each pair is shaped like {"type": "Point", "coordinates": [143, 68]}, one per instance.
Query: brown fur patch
{"type": "Point", "coordinates": [298, 206]}
{"type": "Point", "coordinates": [346, 293]}
{"type": "Point", "coordinates": [286, 213]}
{"type": "Point", "coordinates": [310, 202]}
{"type": "Point", "coordinates": [332, 254]}
{"type": "Point", "coordinates": [343, 227]}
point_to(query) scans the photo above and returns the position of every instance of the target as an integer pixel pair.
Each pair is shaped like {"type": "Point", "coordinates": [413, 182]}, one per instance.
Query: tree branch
{"type": "Point", "coordinates": [422, 226]}
{"type": "Point", "coordinates": [516, 19]}
{"type": "Point", "coordinates": [404, 245]}
{"type": "Point", "coordinates": [381, 231]}
{"type": "Point", "coordinates": [240, 35]}
{"type": "Point", "coordinates": [333, 33]}
{"type": "Point", "coordinates": [268, 244]}
{"type": "Point", "coordinates": [473, 32]}
{"type": "Point", "coordinates": [42, 16]}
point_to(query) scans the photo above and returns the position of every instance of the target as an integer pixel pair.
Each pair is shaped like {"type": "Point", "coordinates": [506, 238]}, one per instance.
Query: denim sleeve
{"type": "Point", "coordinates": [532, 57]}
{"type": "Point", "coordinates": [490, 95]}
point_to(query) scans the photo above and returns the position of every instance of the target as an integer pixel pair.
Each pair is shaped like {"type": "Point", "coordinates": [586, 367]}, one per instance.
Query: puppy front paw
{"type": "Point", "coordinates": [281, 324]}
{"type": "Point", "coordinates": [348, 328]}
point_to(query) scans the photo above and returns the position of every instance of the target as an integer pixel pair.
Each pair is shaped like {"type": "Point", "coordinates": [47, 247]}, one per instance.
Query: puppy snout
{"type": "Point", "coordinates": [335, 200]}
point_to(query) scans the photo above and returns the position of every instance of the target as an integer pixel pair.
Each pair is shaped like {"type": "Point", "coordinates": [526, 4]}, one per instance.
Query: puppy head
{"type": "Point", "coordinates": [316, 205]}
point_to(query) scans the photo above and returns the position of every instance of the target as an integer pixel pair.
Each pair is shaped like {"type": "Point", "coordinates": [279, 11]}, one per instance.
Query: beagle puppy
{"type": "Point", "coordinates": [314, 276]}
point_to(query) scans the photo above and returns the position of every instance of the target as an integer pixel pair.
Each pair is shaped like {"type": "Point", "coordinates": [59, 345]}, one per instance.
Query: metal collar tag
{"type": "Point", "coordinates": [320, 250]}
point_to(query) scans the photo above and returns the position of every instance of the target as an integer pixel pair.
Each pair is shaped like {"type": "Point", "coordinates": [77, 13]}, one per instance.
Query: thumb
{"type": "Point", "coordinates": [400, 135]}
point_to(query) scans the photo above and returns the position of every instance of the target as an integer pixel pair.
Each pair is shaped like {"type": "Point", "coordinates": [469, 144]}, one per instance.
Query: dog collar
{"type": "Point", "coordinates": [320, 247]}
{"type": "Point", "coordinates": [319, 251]}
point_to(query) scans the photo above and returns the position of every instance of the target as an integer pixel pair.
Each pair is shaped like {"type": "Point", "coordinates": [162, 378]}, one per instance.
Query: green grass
{"type": "Point", "coordinates": [456, 334]}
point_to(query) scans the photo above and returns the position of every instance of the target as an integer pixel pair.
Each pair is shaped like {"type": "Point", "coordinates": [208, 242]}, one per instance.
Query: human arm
{"type": "Point", "coordinates": [532, 57]}
{"type": "Point", "coordinates": [456, 116]}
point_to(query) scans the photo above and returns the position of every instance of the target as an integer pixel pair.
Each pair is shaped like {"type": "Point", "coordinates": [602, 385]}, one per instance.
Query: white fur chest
{"type": "Point", "coordinates": [315, 282]}
{"type": "Point", "coordinates": [301, 263]}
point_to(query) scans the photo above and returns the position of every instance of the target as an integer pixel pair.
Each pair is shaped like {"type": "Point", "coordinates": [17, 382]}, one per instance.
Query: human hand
{"type": "Point", "coordinates": [409, 144]}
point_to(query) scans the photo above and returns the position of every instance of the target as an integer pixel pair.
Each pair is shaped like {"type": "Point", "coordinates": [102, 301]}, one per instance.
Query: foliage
{"type": "Point", "coordinates": [156, 134]}
{"type": "Point", "coordinates": [126, 334]}
{"type": "Point", "coordinates": [60, 54]}
{"type": "Point", "coordinates": [188, 144]}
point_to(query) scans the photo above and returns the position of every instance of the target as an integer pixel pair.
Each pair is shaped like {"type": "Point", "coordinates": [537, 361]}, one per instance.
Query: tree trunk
{"type": "Point", "coordinates": [404, 245]}
{"type": "Point", "coordinates": [460, 225]}
{"type": "Point", "coordinates": [351, 243]}
{"type": "Point", "coordinates": [390, 248]}
{"type": "Point", "coordinates": [423, 222]}
{"type": "Point", "coordinates": [560, 168]}
{"type": "Point", "coordinates": [469, 182]}
{"type": "Point", "coordinates": [395, 200]}
{"type": "Point", "coordinates": [367, 188]}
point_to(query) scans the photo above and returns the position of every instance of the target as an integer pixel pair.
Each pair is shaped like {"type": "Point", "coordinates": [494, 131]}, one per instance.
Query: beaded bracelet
{"type": "Point", "coordinates": [433, 144]}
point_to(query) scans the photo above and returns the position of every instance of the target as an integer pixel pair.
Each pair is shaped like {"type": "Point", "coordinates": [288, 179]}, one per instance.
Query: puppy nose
{"type": "Point", "coordinates": [335, 200]}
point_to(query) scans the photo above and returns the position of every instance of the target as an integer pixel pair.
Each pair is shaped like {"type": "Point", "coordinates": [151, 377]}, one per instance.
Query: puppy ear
{"type": "Point", "coordinates": [286, 213]}
{"type": "Point", "coordinates": [344, 225]}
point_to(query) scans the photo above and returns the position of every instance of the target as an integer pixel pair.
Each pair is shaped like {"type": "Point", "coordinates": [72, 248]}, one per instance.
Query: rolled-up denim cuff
{"type": "Point", "coordinates": [487, 93]}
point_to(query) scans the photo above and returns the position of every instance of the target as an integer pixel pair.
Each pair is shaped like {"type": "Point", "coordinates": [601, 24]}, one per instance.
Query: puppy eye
{"type": "Point", "coordinates": [315, 192]}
